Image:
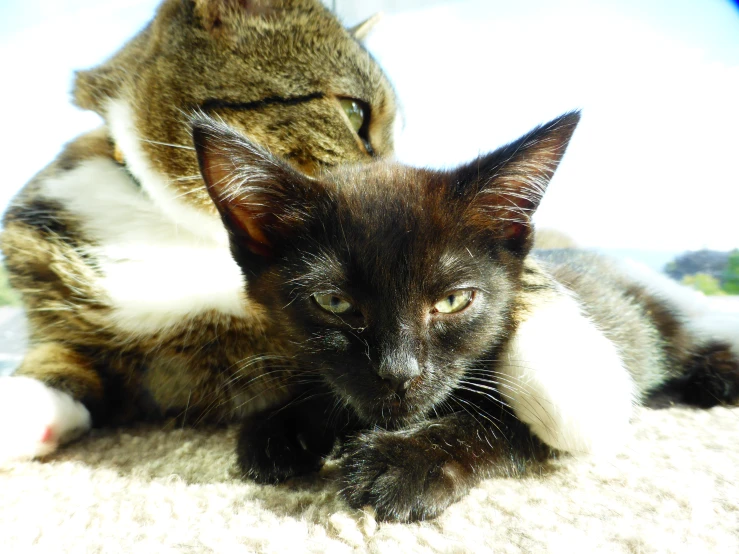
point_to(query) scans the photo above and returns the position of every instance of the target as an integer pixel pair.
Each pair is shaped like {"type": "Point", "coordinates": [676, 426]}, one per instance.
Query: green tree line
{"type": "Point", "coordinates": [711, 285]}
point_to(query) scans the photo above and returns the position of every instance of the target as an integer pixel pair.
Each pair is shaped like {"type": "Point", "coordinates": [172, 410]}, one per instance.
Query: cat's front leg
{"type": "Point", "coordinates": [291, 439]}
{"type": "Point", "coordinates": [40, 405]}
{"type": "Point", "coordinates": [416, 473]}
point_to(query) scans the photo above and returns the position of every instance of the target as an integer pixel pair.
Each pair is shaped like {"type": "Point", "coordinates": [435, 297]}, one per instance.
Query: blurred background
{"type": "Point", "coordinates": [650, 174]}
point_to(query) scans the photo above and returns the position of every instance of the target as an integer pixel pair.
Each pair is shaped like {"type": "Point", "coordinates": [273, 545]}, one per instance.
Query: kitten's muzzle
{"type": "Point", "coordinates": [398, 371]}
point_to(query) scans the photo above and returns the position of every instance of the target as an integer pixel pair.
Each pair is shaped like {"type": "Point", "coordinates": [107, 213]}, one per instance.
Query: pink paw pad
{"type": "Point", "coordinates": [36, 419]}
{"type": "Point", "coordinates": [47, 435]}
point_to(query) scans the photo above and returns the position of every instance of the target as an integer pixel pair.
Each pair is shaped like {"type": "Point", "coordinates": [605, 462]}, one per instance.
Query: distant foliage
{"type": "Point", "coordinates": [709, 262]}
{"type": "Point", "coordinates": [731, 275]}
{"type": "Point", "coordinates": [708, 271]}
{"type": "Point", "coordinates": [8, 297]}
{"type": "Point", "coordinates": [705, 283]}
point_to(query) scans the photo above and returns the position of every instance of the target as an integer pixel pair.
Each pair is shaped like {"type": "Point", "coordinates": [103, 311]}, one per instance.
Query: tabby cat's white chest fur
{"type": "Point", "coordinates": [154, 271]}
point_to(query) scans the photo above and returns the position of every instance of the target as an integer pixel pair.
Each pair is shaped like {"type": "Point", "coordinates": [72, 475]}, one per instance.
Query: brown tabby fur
{"type": "Point", "coordinates": [273, 69]}
{"type": "Point", "coordinates": [181, 63]}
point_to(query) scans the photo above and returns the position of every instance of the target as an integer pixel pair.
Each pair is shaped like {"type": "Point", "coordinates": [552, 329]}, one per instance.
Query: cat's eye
{"type": "Point", "coordinates": [354, 112]}
{"type": "Point", "coordinates": [332, 303]}
{"type": "Point", "coordinates": [358, 114]}
{"type": "Point", "coordinates": [454, 301]}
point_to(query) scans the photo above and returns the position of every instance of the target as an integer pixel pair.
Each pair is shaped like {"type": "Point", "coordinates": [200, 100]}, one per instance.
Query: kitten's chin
{"type": "Point", "coordinates": [375, 405]}
{"type": "Point", "coordinates": [389, 413]}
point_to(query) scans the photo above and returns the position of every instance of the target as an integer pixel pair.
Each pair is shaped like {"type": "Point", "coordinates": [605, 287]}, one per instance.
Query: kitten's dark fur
{"type": "Point", "coordinates": [358, 268]}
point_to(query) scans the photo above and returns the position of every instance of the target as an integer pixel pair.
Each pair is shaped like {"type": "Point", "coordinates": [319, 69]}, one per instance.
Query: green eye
{"type": "Point", "coordinates": [354, 111]}
{"type": "Point", "coordinates": [455, 301]}
{"type": "Point", "coordinates": [332, 303]}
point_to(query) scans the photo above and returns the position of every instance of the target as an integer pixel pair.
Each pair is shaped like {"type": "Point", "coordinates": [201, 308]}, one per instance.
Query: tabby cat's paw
{"type": "Point", "coordinates": [273, 448]}
{"type": "Point", "coordinates": [36, 419]}
{"type": "Point", "coordinates": [401, 475]}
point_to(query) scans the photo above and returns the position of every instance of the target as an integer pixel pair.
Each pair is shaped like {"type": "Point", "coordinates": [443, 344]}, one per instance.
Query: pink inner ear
{"type": "Point", "coordinates": [514, 231]}
{"type": "Point", "coordinates": [245, 219]}
{"type": "Point", "coordinates": [255, 239]}
{"type": "Point", "coordinates": [508, 213]}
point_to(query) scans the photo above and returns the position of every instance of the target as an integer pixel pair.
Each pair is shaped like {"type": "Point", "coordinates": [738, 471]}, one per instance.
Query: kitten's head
{"type": "Point", "coordinates": [393, 282]}
{"type": "Point", "coordinates": [283, 72]}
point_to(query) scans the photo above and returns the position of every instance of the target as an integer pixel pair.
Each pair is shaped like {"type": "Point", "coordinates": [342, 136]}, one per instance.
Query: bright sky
{"type": "Point", "coordinates": [652, 165]}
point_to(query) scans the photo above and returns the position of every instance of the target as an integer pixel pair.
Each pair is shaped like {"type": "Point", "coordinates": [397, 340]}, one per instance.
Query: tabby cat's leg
{"type": "Point", "coordinates": [417, 472]}
{"type": "Point", "coordinates": [41, 405]}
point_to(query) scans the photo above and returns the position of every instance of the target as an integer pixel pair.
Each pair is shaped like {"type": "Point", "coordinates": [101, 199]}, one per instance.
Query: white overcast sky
{"type": "Point", "coordinates": [652, 166]}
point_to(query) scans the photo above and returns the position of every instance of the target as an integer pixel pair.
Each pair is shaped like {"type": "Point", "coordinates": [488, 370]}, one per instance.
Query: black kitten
{"type": "Point", "coordinates": [429, 342]}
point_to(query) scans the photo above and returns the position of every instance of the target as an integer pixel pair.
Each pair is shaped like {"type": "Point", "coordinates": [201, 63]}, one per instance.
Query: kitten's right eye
{"type": "Point", "coordinates": [332, 303]}
{"type": "Point", "coordinates": [454, 302]}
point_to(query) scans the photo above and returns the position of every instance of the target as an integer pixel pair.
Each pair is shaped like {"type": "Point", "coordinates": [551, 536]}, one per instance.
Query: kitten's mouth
{"type": "Point", "coordinates": [385, 408]}
{"type": "Point", "coordinates": [392, 412]}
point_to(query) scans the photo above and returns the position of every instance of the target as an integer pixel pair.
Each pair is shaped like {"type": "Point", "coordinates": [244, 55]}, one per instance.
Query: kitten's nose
{"type": "Point", "coordinates": [399, 370]}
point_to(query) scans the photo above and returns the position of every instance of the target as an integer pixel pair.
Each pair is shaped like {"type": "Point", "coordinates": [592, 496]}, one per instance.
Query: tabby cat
{"type": "Point", "coordinates": [432, 344]}
{"type": "Point", "coordinates": [136, 308]}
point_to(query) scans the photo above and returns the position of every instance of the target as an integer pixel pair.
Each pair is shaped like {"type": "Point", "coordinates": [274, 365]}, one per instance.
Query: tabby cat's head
{"type": "Point", "coordinates": [284, 72]}
{"type": "Point", "coordinates": [394, 282]}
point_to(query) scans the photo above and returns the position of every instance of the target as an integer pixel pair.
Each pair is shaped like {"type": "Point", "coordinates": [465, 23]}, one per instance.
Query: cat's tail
{"type": "Point", "coordinates": [712, 368]}
{"type": "Point", "coordinates": [709, 375]}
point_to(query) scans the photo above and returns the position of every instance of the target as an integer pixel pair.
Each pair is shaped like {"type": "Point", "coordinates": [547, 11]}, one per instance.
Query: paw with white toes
{"type": "Point", "coordinates": [36, 419]}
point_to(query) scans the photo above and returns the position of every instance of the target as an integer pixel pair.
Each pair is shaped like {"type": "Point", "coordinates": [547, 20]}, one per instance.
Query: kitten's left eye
{"type": "Point", "coordinates": [454, 301]}
{"type": "Point", "coordinates": [332, 303]}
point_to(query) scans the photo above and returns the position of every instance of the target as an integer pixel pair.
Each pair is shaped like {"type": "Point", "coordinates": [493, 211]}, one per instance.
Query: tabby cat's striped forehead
{"type": "Point", "coordinates": [279, 71]}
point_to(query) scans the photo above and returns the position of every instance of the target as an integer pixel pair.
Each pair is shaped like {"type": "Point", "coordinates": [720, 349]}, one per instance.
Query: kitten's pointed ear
{"type": "Point", "coordinates": [218, 15]}
{"type": "Point", "coordinates": [505, 187]}
{"type": "Point", "coordinates": [261, 199]}
{"type": "Point", "coordinates": [362, 30]}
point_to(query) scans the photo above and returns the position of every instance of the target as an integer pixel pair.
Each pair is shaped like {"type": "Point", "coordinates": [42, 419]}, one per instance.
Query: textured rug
{"type": "Point", "coordinates": [674, 488]}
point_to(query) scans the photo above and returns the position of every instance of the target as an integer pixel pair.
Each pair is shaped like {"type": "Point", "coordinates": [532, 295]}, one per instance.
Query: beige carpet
{"type": "Point", "coordinates": [675, 488]}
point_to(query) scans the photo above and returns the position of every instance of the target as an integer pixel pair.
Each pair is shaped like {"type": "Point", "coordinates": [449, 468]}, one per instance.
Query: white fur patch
{"type": "Point", "coordinates": [36, 419]}
{"type": "Point", "coordinates": [567, 380]}
{"type": "Point", "coordinates": [168, 199]}
{"type": "Point", "coordinates": [155, 272]}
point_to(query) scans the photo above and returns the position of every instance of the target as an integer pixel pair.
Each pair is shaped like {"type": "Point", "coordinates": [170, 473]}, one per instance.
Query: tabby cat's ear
{"type": "Point", "coordinates": [362, 30]}
{"type": "Point", "coordinates": [218, 15]}
{"type": "Point", "coordinates": [261, 199]}
{"type": "Point", "coordinates": [503, 189]}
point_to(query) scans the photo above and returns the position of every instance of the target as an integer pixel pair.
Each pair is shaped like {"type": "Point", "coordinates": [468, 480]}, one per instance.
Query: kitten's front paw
{"type": "Point", "coordinates": [402, 475]}
{"type": "Point", "coordinates": [274, 447]}
{"type": "Point", "coordinates": [36, 419]}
